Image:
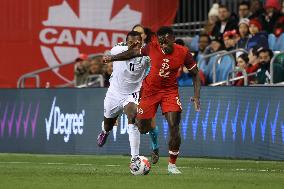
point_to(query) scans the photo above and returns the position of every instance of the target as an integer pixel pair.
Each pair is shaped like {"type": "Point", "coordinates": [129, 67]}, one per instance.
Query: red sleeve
{"type": "Point", "coordinates": [188, 61]}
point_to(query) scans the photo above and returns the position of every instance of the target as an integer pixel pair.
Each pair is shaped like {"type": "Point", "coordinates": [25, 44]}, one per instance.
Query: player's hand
{"type": "Point", "coordinates": [196, 102]}
{"type": "Point", "coordinates": [106, 59]}
{"type": "Point", "coordinates": [135, 44]}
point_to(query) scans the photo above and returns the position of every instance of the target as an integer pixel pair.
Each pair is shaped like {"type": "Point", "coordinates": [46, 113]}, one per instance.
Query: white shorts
{"type": "Point", "coordinates": [114, 103]}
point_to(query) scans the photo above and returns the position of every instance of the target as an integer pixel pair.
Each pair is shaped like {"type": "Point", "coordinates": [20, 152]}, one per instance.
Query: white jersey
{"type": "Point", "coordinates": [127, 76]}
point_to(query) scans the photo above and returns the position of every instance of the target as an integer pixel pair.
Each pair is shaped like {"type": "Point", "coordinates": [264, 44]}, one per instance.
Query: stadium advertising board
{"type": "Point", "coordinates": [233, 122]}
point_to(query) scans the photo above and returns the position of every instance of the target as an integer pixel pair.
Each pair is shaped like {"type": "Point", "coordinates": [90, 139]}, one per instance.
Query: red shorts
{"type": "Point", "coordinates": [149, 103]}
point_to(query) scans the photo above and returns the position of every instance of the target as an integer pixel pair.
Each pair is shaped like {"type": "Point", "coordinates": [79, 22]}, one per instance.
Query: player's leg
{"type": "Point", "coordinates": [134, 136]}
{"type": "Point", "coordinates": [154, 141]}
{"type": "Point", "coordinates": [146, 111]}
{"type": "Point", "coordinates": [173, 119]}
{"type": "Point", "coordinates": [144, 125]}
{"type": "Point", "coordinates": [112, 108]}
{"type": "Point", "coordinates": [171, 108]}
{"type": "Point", "coordinates": [108, 126]}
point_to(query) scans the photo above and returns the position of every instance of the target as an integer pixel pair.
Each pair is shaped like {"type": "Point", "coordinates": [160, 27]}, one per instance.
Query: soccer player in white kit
{"type": "Point", "coordinates": [123, 92]}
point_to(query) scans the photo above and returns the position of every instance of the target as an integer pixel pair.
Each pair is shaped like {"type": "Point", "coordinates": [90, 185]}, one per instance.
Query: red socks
{"type": "Point", "coordinates": [173, 156]}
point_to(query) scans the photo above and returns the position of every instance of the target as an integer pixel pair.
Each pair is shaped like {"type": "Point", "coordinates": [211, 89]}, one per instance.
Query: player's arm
{"type": "Point", "coordinates": [191, 65]}
{"type": "Point", "coordinates": [126, 55]}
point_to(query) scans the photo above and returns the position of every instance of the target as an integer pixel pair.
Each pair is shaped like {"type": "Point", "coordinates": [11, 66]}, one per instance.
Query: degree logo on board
{"type": "Point", "coordinates": [66, 34]}
{"type": "Point", "coordinates": [66, 124]}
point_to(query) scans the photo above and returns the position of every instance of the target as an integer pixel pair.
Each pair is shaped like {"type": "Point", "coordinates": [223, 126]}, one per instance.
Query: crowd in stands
{"type": "Point", "coordinates": [257, 29]}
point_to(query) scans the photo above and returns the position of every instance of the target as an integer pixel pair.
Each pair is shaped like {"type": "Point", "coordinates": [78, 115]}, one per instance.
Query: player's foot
{"type": "Point", "coordinates": [172, 169]}
{"type": "Point", "coordinates": [133, 159]}
{"type": "Point", "coordinates": [155, 156]}
{"type": "Point", "coordinates": [102, 138]}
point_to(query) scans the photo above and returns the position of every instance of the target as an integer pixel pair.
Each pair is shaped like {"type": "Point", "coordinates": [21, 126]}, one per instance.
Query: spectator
{"type": "Point", "coordinates": [212, 19]}
{"type": "Point", "coordinates": [225, 23]}
{"type": "Point", "coordinates": [216, 45]}
{"type": "Point", "coordinates": [243, 63]}
{"type": "Point", "coordinates": [81, 67]}
{"type": "Point", "coordinates": [89, 67]}
{"type": "Point", "coordinates": [183, 77]}
{"type": "Point", "coordinates": [258, 37]}
{"type": "Point", "coordinates": [230, 40]}
{"type": "Point", "coordinates": [203, 43]}
{"type": "Point", "coordinates": [282, 9]}
{"type": "Point", "coordinates": [256, 9]}
{"type": "Point", "coordinates": [206, 65]}
{"type": "Point", "coordinates": [279, 27]}
{"type": "Point", "coordinates": [253, 60]}
{"type": "Point", "coordinates": [107, 73]}
{"type": "Point", "coordinates": [96, 64]}
{"type": "Point", "coordinates": [264, 75]}
{"type": "Point", "coordinates": [244, 10]}
{"type": "Point", "coordinates": [243, 33]}
{"type": "Point", "coordinates": [272, 13]}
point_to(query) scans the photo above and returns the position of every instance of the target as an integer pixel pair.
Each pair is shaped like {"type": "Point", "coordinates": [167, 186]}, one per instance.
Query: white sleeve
{"type": "Point", "coordinates": [118, 49]}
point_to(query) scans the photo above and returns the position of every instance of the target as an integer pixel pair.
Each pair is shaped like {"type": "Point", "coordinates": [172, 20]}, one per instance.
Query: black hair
{"type": "Point", "coordinates": [180, 42]}
{"type": "Point", "coordinates": [133, 33]}
{"type": "Point", "coordinates": [265, 50]}
{"type": "Point", "coordinates": [149, 33]}
{"type": "Point", "coordinates": [256, 49]}
{"type": "Point", "coordinates": [224, 7]}
{"type": "Point", "coordinates": [246, 3]}
{"type": "Point", "coordinates": [205, 35]}
{"type": "Point", "coordinates": [245, 57]}
{"type": "Point", "coordinates": [165, 30]}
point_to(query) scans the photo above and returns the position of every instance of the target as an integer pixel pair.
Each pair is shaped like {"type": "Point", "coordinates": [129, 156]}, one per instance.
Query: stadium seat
{"type": "Point", "coordinates": [271, 41]}
{"type": "Point", "coordinates": [279, 44]}
{"type": "Point", "coordinates": [206, 65]}
{"type": "Point", "coordinates": [193, 45]}
{"type": "Point", "coordinates": [224, 68]}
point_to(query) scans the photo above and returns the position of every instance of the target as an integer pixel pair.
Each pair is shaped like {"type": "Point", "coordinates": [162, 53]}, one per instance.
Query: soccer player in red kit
{"type": "Point", "coordinates": [160, 86]}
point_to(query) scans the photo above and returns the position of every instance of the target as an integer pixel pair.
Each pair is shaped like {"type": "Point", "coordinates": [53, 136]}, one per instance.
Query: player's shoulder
{"type": "Point", "coordinates": [181, 48]}
{"type": "Point", "coordinates": [118, 49]}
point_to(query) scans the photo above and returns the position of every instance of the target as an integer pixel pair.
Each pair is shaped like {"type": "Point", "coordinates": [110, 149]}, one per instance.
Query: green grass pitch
{"type": "Point", "coordinates": [96, 171]}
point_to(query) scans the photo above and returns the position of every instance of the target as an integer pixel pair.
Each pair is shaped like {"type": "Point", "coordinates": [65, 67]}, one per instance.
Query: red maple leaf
{"type": "Point", "coordinates": [75, 6]}
{"type": "Point", "coordinates": [118, 5]}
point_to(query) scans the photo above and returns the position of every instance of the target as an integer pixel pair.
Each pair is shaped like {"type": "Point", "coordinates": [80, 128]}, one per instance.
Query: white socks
{"type": "Point", "coordinates": [134, 139]}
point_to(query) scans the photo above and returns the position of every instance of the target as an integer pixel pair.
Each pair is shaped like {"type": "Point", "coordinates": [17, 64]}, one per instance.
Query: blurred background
{"type": "Point", "coordinates": [59, 43]}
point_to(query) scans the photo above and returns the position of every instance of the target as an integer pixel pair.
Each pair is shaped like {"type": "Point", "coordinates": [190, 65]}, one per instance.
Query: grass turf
{"type": "Point", "coordinates": [92, 171]}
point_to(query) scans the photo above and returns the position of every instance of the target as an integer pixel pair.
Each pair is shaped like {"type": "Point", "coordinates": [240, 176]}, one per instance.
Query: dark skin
{"type": "Point", "coordinates": [131, 108]}
{"type": "Point", "coordinates": [173, 118]}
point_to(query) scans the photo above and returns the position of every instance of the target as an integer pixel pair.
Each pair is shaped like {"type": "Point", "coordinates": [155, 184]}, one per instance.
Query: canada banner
{"type": "Point", "coordinates": [37, 34]}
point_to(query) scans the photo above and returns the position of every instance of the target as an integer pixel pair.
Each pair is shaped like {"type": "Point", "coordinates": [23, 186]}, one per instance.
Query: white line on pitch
{"type": "Point", "coordinates": [236, 169]}
{"type": "Point", "coordinates": [53, 163]}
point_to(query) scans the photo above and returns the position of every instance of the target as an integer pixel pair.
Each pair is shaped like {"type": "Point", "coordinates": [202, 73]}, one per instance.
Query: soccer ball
{"type": "Point", "coordinates": [140, 165]}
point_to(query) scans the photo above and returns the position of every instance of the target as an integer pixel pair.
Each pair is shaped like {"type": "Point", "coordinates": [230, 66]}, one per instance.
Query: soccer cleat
{"type": "Point", "coordinates": [172, 169]}
{"type": "Point", "coordinates": [155, 156]}
{"type": "Point", "coordinates": [102, 138]}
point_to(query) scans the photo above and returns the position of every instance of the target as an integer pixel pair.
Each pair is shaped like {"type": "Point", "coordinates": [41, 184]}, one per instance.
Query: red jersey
{"type": "Point", "coordinates": [164, 67]}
